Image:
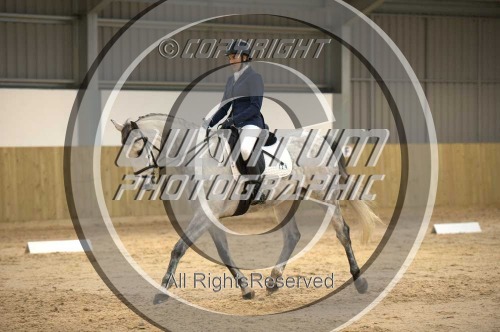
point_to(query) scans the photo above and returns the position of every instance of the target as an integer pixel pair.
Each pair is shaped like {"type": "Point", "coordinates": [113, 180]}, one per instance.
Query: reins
{"type": "Point", "coordinates": [151, 155]}
{"type": "Point", "coordinates": [206, 140]}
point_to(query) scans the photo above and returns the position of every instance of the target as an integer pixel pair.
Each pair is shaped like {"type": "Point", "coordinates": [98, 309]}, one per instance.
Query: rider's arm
{"type": "Point", "coordinates": [257, 93]}
{"type": "Point", "coordinates": [222, 112]}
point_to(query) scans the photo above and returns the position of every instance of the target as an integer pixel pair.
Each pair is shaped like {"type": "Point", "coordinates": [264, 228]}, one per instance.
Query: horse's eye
{"type": "Point", "coordinates": [125, 137]}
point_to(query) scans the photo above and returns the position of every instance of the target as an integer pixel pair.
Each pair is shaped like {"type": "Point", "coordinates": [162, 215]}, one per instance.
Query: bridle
{"type": "Point", "coordinates": [151, 156]}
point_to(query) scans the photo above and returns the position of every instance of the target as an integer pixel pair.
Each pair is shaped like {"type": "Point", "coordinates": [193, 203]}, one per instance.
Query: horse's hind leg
{"type": "Point", "coordinates": [291, 236]}
{"type": "Point", "coordinates": [198, 225]}
{"type": "Point", "coordinates": [220, 241]}
{"type": "Point", "coordinates": [342, 230]}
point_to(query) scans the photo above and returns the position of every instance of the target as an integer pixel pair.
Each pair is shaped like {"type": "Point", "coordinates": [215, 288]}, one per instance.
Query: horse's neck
{"type": "Point", "coordinates": [155, 124]}
{"type": "Point", "coordinates": [159, 124]}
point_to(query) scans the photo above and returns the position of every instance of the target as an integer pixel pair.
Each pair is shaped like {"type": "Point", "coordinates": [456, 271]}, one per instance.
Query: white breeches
{"type": "Point", "coordinates": [248, 142]}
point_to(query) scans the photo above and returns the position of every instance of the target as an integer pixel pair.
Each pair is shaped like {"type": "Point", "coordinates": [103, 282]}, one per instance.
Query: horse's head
{"type": "Point", "coordinates": [125, 130]}
{"type": "Point", "coordinates": [141, 146]}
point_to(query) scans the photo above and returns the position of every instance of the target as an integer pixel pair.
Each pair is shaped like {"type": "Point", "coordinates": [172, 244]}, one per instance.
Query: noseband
{"type": "Point", "coordinates": [151, 155]}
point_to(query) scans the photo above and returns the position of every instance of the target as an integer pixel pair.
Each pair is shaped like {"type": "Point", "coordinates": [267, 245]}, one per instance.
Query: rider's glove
{"type": "Point", "coordinates": [228, 123]}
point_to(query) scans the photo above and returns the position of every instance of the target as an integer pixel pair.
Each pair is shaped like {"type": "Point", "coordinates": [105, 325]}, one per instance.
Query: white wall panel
{"type": "Point", "coordinates": [40, 117]}
{"type": "Point", "coordinates": [34, 117]}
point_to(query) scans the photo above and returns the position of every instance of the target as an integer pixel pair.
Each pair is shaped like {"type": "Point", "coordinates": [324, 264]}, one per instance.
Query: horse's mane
{"type": "Point", "coordinates": [151, 115]}
{"type": "Point", "coordinates": [167, 118]}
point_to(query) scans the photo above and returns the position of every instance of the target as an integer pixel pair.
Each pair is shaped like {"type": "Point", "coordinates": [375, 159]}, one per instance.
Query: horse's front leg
{"type": "Point", "coordinates": [220, 240]}
{"type": "Point", "coordinates": [196, 228]}
{"type": "Point", "coordinates": [291, 236]}
{"type": "Point", "coordinates": [342, 230]}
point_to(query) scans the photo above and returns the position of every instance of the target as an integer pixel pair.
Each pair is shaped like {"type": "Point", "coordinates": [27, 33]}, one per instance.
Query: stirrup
{"type": "Point", "coordinates": [254, 201]}
{"type": "Point", "coordinates": [261, 200]}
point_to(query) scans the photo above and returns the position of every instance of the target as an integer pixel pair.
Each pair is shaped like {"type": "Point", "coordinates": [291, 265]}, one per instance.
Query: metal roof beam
{"type": "Point", "coordinates": [365, 6]}
{"type": "Point", "coordinates": [485, 8]}
{"type": "Point", "coordinates": [100, 6]}
{"type": "Point", "coordinates": [32, 18]}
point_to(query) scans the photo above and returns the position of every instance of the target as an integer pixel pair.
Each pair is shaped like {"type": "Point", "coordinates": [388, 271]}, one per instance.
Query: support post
{"type": "Point", "coordinates": [345, 116]}
{"type": "Point", "coordinates": [90, 113]}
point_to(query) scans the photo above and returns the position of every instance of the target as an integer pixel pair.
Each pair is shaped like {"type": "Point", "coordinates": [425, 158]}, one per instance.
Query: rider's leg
{"type": "Point", "coordinates": [247, 146]}
{"type": "Point", "coordinates": [248, 141]}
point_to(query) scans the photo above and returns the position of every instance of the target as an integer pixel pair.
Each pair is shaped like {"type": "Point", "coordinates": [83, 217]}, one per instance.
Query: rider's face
{"type": "Point", "coordinates": [236, 60]}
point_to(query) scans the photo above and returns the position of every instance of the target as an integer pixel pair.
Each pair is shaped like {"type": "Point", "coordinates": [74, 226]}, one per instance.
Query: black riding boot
{"type": "Point", "coordinates": [258, 169]}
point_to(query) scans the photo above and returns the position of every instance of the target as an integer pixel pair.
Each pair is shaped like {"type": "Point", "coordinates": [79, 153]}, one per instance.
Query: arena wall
{"type": "Point", "coordinates": [32, 137]}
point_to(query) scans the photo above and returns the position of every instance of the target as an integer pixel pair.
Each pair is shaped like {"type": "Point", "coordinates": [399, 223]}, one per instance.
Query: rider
{"type": "Point", "coordinates": [247, 87]}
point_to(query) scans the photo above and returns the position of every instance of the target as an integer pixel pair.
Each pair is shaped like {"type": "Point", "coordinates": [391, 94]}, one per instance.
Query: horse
{"type": "Point", "coordinates": [200, 223]}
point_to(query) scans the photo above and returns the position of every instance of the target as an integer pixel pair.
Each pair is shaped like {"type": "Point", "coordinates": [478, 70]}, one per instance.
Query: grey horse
{"type": "Point", "coordinates": [201, 223]}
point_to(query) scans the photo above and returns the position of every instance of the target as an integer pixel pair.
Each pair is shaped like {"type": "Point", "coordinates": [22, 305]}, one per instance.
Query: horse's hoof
{"type": "Point", "coordinates": [160, 298]}
{"type": "Point", "coordinates": [271, 290]}
{"type": "Point", "coordinates": [361, 285]}
{"type": "Point", "coordinates": [166, 283]}
{"type": "Point", "coordinates": [249, 295]}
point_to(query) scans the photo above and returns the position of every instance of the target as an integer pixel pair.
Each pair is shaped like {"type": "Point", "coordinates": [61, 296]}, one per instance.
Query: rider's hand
{"type": "Point", "coordinates": [228, 123]}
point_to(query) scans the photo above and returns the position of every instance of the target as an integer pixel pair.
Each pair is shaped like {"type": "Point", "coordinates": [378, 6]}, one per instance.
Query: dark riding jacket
{"type": "Point", "coordinates": [248, 91]}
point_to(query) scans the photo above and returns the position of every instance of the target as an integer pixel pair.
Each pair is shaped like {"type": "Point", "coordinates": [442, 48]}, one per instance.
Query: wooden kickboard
{"type": "Point", "coordinates": [47, 247]}
{"type": "Point", "coordinates": [457, 228]}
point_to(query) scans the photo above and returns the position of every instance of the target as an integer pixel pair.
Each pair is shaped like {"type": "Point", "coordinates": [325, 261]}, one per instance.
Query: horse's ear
{"type": "Point", "coordinates": [118, 126]}
{"type": "Point", "coordinates": [134, 125]}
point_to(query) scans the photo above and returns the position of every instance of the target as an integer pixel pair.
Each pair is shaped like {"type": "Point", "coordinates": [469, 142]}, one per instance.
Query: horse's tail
{"type": "Point", "coordinates": [367, 217]}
